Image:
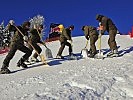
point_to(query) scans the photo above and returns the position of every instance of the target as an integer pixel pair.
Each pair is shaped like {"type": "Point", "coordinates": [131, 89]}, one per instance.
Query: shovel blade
{"type": "Point", "coordinates": [48, 53]}
{"type": "Point", "coordinates": [43, 59]}
{"type": "Point", "coordinates": [84, 53]}
{"type": "Point", "coordinates": [99, 55]}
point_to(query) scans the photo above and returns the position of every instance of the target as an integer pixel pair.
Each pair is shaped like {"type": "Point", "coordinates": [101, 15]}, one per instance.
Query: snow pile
{"type": "Point", "coordinates": [82, 79]}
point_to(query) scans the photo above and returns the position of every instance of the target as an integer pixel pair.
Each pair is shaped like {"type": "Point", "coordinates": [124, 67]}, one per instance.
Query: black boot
{"type": "Point", "coordinates": [70, 53]}
{"type": "Point", "coordinates": [21, 63]}
{"type": "Point", "coordinates": [110, 53]}
{"type": "Point", "coordinates": [59, 57]}
{"type": "Point", "coordinates": [113, 53]}
{"type": "Point", "coordinates": [4, 70]}
{"type": "Point", "coordinates": [92, 55]}
{"type": "Point", "coordinates": [90, 51]}
{"type": "Point", "coordinates": [27, 62]}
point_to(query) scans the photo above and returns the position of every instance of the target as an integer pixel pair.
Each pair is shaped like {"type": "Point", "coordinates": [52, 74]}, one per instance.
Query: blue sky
{"type": "Point", "coordinates": [67, 12]}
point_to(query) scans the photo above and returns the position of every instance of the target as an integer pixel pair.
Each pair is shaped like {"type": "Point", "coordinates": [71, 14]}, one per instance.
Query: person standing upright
{"type": "Point", "coordinates": [108, 25]}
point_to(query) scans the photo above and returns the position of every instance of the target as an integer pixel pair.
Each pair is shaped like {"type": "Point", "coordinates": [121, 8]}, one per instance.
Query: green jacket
{"type": "Point", "coordinates": [34, 36]}
{"type": "Point", "coordinates": [65, 35]}
{"type": "Point", "coordinates": [107, 24]}
{"type": "Point", "coordinates": [90, 31]}
{"type": "Point", "coordinates": [18, 38]}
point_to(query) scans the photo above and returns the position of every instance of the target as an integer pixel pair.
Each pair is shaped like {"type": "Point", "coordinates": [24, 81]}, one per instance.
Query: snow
{"type": "Point", "coordinates": [82, 79]}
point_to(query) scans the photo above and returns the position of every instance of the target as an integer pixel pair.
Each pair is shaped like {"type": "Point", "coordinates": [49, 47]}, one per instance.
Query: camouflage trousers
{"type": "Point", "coordinates": [111, 41]}
{"type": "Point", "coordinates": [93, 40]}
{"type": "Point", "coordinates": [63, 44]}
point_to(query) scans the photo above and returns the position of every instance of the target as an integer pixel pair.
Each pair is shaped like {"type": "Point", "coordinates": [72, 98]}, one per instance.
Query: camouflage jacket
{"type": "Point", "coordinates": [65, 35]}
{"type": "Point", "coordinates": [90, 31]}
{"type": "Point", "coordinates": [107, 24]}
{"type": "Point", "coordinates": [34, 36]}
{"type": "Point", "coordinates": [18, 37]}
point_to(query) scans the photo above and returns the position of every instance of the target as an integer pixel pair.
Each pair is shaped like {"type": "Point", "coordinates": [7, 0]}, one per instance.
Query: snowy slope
{"type": "Point", "coordinates": [82, 79]}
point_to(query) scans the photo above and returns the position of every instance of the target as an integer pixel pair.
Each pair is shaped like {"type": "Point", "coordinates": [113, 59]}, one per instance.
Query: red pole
{"type": "Point", "coordinates": [132, 32]}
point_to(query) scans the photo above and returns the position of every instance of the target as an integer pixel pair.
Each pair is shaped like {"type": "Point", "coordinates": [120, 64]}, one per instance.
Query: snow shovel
{"type": "Point", "coordinates": [84, 52]}
{"type": "Point", "coordinates": [48, 52]}
{"type": "Point", "coordinates": [41, 56]}
{"type": "Point", "coordinates": [100, 53]}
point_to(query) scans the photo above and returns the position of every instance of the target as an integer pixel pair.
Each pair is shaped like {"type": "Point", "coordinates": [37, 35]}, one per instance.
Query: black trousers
{"type": "Point", "coordinates": [13, 50]}
{"type": "Point", "coordinates": [37, 48]}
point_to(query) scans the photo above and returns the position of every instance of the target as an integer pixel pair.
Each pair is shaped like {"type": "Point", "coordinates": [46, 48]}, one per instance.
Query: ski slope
{"type": "Point", "coordinates": [82, 79]}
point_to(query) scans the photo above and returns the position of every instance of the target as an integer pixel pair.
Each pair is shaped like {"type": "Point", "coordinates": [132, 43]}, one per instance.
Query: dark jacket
{"type": "Point", "coordinates": [34, 36]}
{"type": "Point", "coordinates": [65, 35]}
{"type": "Point", "coordinates": [90, 31]}
{"type": "Point", "coordinates": [107, 24]}
{"type": "Point", "coordinates": [18, 37]}
{"type": "Point", "coordinates": [11, 28]}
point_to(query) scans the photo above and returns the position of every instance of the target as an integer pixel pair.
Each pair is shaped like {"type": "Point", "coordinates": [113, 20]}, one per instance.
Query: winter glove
{"type": "Point", "coordinates": [118, 32]}
{"type": "Point", "coordinates": [99, 23]}
{"type": "Point", "coordinates": [26, 43]}
{"type": "Point", "coordinates": [87, 37]}
{"type": "Point", "coordinates": [69, 41]}
{"type": "Point", "coordinates": [25, 38]}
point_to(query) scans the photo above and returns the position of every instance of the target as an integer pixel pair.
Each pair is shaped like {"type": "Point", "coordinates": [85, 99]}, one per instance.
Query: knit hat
{"type": "Point", "coordinates": [26, 23]}
{"type": "Point", "coordinates": [71, 26]}
{"type": "Point", "coordinates": [98, 16]}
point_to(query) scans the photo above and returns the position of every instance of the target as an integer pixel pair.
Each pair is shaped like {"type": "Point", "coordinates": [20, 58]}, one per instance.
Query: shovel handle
{"type": "Point", "coordinates": [29, 42]}
{"type": "Point", "coordinates": [86, 44]}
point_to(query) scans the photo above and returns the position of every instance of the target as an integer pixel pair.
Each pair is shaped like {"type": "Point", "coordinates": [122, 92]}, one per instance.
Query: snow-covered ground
{"type": "Point", "coordinates": [82, 79]}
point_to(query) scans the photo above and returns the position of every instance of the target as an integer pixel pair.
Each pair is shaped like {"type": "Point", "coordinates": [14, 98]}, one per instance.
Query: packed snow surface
{"type": "Point", "coordinates": [81, 79]}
